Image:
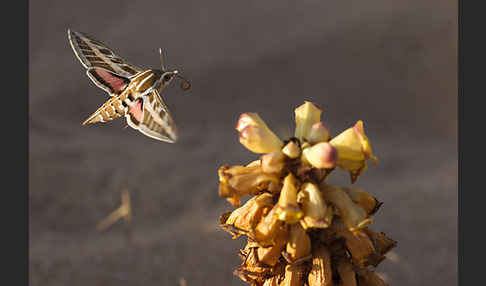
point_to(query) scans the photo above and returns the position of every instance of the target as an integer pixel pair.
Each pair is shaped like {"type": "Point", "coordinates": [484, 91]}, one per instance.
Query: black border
{"type": "Point", "coordinates": [15, 196]}
{"type": "Point", "coordinates": [460, 99]}
{"type": "Point", "coordinates": [471, 193]}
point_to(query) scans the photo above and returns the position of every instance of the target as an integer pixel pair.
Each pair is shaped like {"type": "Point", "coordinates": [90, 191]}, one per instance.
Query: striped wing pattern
{"type": "Point", "coordinates": [94, 54]}
{"type": "Point", "coordinates": [157, 122]}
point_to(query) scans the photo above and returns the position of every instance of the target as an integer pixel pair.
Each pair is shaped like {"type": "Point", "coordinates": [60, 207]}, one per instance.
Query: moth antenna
{"type": "Point", "coordinates": [162, 60]}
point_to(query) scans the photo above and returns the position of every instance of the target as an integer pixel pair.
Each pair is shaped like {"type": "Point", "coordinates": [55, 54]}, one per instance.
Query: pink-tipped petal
{"type": "Point", "coordinates": [322, 155]}
{"type": "Point", "coordinates": [259, 140]}
{"type": "Point", "coordinates": [248, 119]}
{"type": "Point", "coordinates": [319, 132]}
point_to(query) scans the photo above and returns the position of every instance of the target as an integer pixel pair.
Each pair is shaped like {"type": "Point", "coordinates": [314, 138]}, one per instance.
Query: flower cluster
{"type": "Point", "coordinates": [300, 229]}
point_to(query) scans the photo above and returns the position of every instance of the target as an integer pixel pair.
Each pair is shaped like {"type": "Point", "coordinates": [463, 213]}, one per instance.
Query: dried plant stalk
{"type": "Point", "coordinates": [321, 272]}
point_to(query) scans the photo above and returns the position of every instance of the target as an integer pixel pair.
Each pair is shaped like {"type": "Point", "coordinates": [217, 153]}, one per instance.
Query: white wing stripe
{"type": "Point", "coordinates": [143, 81]}
{"type": "Point", "coordinates": [94, 49]}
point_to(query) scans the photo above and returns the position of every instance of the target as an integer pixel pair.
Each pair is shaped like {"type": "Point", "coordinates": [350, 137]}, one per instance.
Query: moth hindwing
{"type": "Point", "coordinates": [135, 92]}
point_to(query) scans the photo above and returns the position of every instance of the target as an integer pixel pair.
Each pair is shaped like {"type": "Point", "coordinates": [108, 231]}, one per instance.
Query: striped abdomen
{"type": "Point", "coordinates": [110, 110]}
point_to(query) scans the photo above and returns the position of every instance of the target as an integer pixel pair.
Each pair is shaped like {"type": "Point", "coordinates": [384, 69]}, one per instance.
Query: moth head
{"type": "Point", "coordinates": [167, 76]}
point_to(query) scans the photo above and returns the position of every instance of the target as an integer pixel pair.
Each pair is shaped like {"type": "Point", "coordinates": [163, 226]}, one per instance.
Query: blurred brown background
{"type": "Point", "coordinates": [389, 63]}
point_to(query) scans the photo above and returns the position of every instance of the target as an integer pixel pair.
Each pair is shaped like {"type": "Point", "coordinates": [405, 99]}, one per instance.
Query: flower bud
{"type": "Point", "coordinates": [322, 155]}
{"type": "Point", "coordinates": [288, 210]}
{"type": "Point", "coordinates": [273, 162]}
{"type": "Point", "coordinates": [247, 119]}
{"type": "Point", "coordinates": [299, 243]}
{"type": "Point", "coordinates": [305, 116]}
{"type": "Point", "coordinates": [319, 133]}
{"type": "Point", "coordinates": [259, 140]}
{"type": "Point", "coordinates": [354, 150]}
{"type": "Point", "coordinates": [321, 272]}
{"type": "Point", "coordinates": [313, 205]}
{"type": "Point", "coordinates": [292, 150]}
{"type": "Point", "coordinates": [255, 134]}
{"type": "Point", "coordinates": [353, 216]}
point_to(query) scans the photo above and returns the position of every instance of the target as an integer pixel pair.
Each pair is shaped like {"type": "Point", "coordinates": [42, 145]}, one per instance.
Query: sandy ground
{"type": "Point", "coordinates": [391, 64]}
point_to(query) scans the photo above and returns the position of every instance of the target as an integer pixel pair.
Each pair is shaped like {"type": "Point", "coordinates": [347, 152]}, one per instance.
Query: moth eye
{"type": "Point", "coordinates": [167, 77]}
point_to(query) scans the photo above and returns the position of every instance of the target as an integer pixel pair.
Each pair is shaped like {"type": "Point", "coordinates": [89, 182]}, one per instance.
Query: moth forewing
{"type": "Point", "coordinates": [93, 53]}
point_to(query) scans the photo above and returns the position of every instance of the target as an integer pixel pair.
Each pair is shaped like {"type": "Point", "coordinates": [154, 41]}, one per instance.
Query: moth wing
{"type": "Point", "coordinates": [151, 116]}
{"type": "Point", "coordinates": [94, 54]}
{"type": "Point", "coordinates": [111, 82]}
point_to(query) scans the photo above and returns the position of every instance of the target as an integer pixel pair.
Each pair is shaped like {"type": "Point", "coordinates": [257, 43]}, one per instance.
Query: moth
{"type": "Point", "coordinates": [135, 93]}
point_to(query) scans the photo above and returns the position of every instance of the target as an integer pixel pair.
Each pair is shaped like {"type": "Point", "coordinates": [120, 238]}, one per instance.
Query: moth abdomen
{"type": "Point", "coordinates": [111, 109]}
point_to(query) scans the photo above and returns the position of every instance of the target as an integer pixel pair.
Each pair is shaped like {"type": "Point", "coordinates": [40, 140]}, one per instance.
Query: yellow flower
{"type": "Point", "coordinates": [237, 181]}
{"type": "Point", "coordinates": [353, 149]}
{"type": "Point", "coordinates": [314, 207]}
{"type": "Point", "coordinates": [369, 203]}
{"type": "Point", "coordinates": [288, 210]}
{"type": "Point", "coordinates": [299, 244]}
{"type": "Point", "coordinates": [322, 155]}
{"type": "Point", "coordinates": [306, 115]}
{"type": "Point", "coordinates": [255, 134]}
{"type": "Point", "coordinates": [273, 162]}
{"type": "Point", "coordinates": [291, 150]}
{"type": "Point", "coordinates": [318, 132]}
{"type": "Point", "coordinates": [353, 216]}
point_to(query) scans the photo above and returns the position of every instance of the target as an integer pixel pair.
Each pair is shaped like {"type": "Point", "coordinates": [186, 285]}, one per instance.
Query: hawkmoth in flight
{"type": "Point", "coordinates": [135, 93]}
